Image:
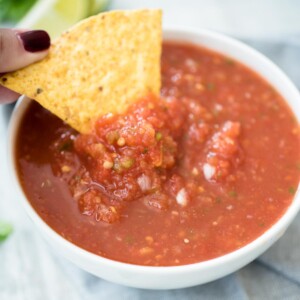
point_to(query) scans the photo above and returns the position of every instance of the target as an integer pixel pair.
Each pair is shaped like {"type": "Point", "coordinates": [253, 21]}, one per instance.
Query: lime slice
{"type": "Point", "coordinates": [55, 16]}
{"type": "Point", "coordinates": [97, 6]}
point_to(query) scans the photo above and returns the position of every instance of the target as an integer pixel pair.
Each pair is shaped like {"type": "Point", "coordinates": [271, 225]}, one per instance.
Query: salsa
{"type": "Point", "coordinates": [200, 172]}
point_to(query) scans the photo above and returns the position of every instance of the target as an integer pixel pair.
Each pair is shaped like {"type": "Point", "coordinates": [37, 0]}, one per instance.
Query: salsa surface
{"type": "Point", "coordinates": [194, 175]}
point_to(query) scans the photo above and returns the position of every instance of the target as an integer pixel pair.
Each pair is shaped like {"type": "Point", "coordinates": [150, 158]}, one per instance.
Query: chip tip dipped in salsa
{"type": "Point", "coordinates": [196, 173]}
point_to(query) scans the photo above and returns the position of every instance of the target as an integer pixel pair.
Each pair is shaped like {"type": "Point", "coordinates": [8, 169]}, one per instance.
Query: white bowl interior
{"type": "Point", "coordinates": [187, 275]}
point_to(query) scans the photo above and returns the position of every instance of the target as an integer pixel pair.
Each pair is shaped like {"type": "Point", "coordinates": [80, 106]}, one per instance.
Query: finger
{"type": "Point", "coordinates": [7, 96]}
{"type": "Point", "coordinates": [19, 49]}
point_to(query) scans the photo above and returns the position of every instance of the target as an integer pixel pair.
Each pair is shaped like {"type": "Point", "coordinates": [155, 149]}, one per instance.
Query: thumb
{"type": "Point", "coordinates": [21, 48]}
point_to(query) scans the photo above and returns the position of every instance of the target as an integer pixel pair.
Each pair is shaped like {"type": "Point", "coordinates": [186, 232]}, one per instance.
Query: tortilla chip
{"type": "Point", "coordinates": [102, 65]}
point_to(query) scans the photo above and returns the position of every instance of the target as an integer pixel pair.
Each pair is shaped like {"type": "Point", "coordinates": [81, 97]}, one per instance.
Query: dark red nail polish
{"type": "Point", "coordinates": [35, 40]}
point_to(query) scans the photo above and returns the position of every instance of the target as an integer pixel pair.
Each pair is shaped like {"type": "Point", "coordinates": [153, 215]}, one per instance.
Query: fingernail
{"type": "Point", "coordinates": [35, 40]}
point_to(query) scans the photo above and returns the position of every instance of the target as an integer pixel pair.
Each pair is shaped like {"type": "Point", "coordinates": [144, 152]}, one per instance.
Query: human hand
{"type": "Point", "coordinates": [19, 48]}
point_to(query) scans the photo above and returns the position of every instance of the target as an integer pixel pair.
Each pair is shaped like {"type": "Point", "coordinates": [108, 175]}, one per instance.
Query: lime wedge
{"type": "Point", "coordinates": [97, 6]}
{"type": "Point", "coordinates": [55, 16]}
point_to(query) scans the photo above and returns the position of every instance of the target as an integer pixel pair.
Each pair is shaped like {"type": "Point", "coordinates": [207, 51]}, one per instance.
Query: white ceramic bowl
{"type": "Point", "coordinates": [177, 276]}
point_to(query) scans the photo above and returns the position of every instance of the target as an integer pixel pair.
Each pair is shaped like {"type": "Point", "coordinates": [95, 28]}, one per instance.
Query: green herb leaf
{"type": "Point", "coordinates": [292, 190]}
{"type": "Point", "coordinates": [218, 200]}
{"type": "Point", "coordinates": [67, 146]}
{"type": "Point", "coordinates": [232, 194]}
{"type": "Point", "coordinates": [210, 86]}
{"type": "Point", "coordinates": [129, 239]}
{"type": "Point", "coordinates": [158, 136]}
{"type": "Point", "coordinates": [5, 230]}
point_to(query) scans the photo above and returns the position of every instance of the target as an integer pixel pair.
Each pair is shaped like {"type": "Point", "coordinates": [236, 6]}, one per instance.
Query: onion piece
{"type": "Point", "coordinates": [181, 197]}
{"type": "Point", "coordinates": [208, 171]}
{"type": "Point", "coordinates": [144, 182]}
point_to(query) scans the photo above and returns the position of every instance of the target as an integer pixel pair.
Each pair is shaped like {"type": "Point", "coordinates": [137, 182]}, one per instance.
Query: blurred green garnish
{"type": "Point", "coordinates": [11, 11]}
{"type": "Point", "coordinates": [5, 230]}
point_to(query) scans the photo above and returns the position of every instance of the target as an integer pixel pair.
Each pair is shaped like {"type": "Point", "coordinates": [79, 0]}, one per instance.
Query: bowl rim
{"type": "Point", "coordinates": [277, 229]}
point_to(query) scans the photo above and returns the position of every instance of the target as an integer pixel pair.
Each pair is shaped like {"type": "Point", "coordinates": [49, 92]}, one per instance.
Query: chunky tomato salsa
{"type": "Point", "coordinates": [198, 173]}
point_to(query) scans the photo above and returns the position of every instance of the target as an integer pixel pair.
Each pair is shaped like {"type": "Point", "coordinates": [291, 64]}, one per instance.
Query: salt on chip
{"type": "Point", "coordinates": [102, 65]}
